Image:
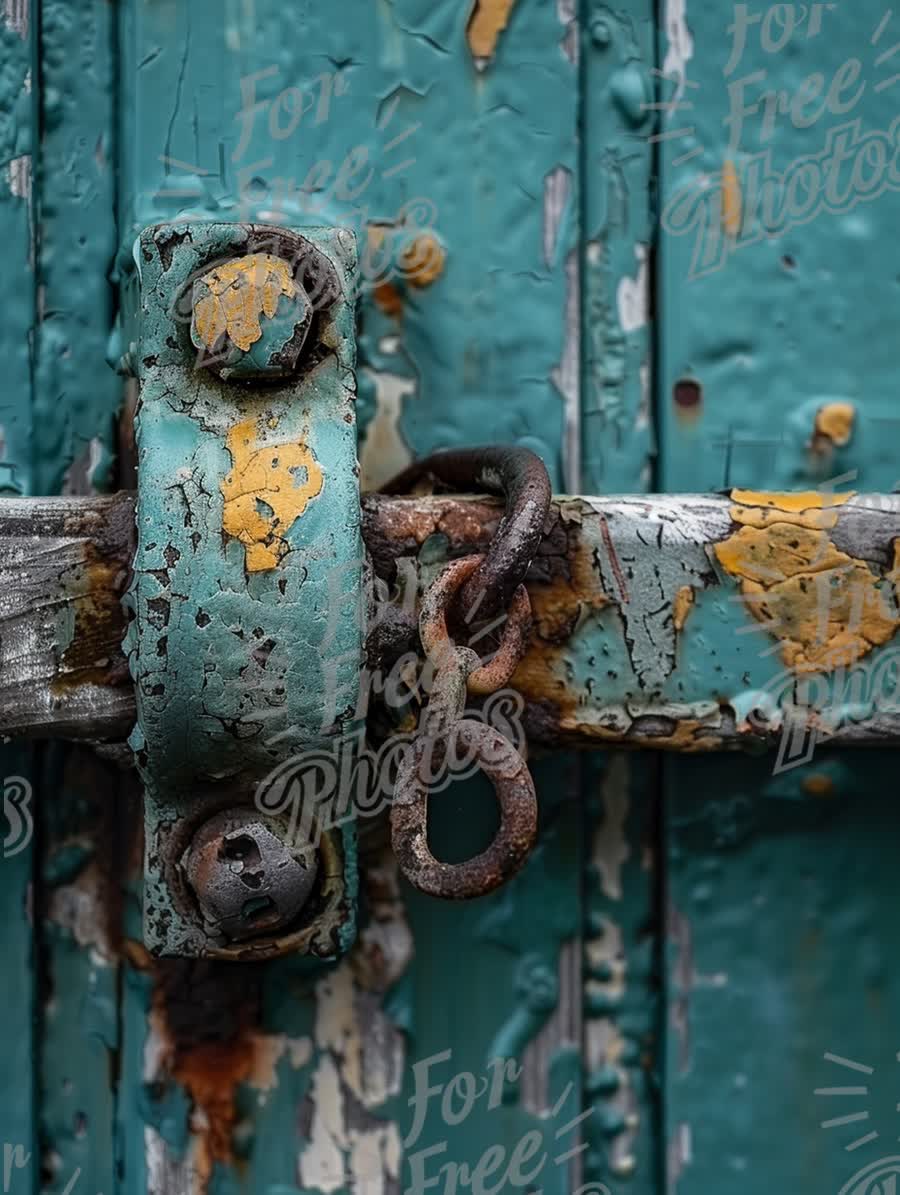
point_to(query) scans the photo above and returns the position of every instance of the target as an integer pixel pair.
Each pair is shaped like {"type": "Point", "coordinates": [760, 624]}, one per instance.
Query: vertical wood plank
{"type": "Point", "coordinates": [18, 1135]}
{"type": "Point", "coordinates": [777, 371]}
{"type": "Point", "coordinates": [75, 399]}
{"type": "Point", "coordinates": [622, 1046]}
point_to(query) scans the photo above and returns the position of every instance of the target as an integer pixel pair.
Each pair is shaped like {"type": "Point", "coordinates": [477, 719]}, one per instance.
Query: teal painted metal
{"type": "Point", "coordinates": [247, 640]}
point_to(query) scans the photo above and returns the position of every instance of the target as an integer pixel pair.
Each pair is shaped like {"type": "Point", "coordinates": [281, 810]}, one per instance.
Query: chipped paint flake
{"type": "Point", "coordinates": [682, 606]}
{"type": "Point", "coordinates": [240, 292]}
{"type": "Point", "coordinates": [834, 422]}
{"type": "Point", "coordinates": [384, 452]}
{"type": "Point", "coordinates": [321, 1163]}
{"type": "Point", "coordinates": [20, 176]}
{"type": "Point", "coordinates": [680, 49]}
{"type": "Point", "coordinates": [374, 1159]}
{"type": "Point", "coordinates": [488, 20]}
{"type": "Point", "coordinates": [732, 203]}
{"type": "Point", "coordinates": [15, 15]}
{"type": "Point", "coordinates": [267, 490]}
{"type": "Point", "coordinates": [632, 295]}
{"type": "Point", "coordinates": [826, 608]}
{"type": "Point", "coordinates": [422, 261]}
{"type": "Point", "coordinates": [557, 189]}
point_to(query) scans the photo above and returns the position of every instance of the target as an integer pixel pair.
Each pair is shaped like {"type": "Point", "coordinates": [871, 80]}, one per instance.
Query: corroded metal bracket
{"type": "Point", "coordinates": [247, 578]}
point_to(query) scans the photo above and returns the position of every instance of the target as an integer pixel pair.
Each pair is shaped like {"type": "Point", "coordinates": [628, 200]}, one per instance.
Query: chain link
{"type": "Point", "coordinates": [447, 739]}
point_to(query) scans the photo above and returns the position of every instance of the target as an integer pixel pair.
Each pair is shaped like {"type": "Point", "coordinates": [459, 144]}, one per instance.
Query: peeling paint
{"type": "Point", "coordinates": [269, 487]}
{"type": "Point", "coordinates": [237, 295]}
{"type": "Point", "coordinates": [680, 47]}
{"type": "Point", "coordinates": [632, 295]}
{"type": "Point", "coordinates": [682, 606]}
{"type": "Point", "coordinates": [385, 453]}
{"type": "Point", "coordinates": [16, 15]}
{"type": "Point", "coordinates": [488, 20]}
{"type": "Point", "coordinates": [826, 608]}
{"type": "Point", "coordinates": [834, 422]}
{"type": "Point", "coordinates": [321, 1163]}
{"type": "Point", "coordinates": [557, 190]}
{"type": "Point", "coordinates": [20, 176]}
{"type": "Point", "coordinates": [423, 260]}
{"type": "Point", "coordinates": [732, 203]}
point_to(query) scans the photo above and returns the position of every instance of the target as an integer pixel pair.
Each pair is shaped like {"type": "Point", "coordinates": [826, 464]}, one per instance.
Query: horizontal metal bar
{"type": "Point", "coordinates": [678, 622]}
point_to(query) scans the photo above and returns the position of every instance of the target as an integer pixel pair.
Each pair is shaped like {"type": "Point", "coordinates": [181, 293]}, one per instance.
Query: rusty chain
{"type": "Point", "coordinates": [484, 585]}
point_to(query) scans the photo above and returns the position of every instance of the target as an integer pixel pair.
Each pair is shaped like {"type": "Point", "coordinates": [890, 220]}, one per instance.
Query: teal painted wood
{"type": "Point", "coordinates": [18, 123]}
{"type": "Point", "coordinates": [17, 136]}
{"type": "Point", "coordinates": [79, 906]}
{"type": "Point", "coordinates": [623, 1047]}
{"type": "Point", "coordinates": [76, 397]}
{"type": "Point", "coordinates": [618, 89]}
{"type": "Point", "coordinates": [774, 882]}
{"type": "Point", "coordinates": [780, 953]}
{"type": "Point", "coordinates": [772, 327]}
{"type": "Point", "coordinates": [624, 1040]}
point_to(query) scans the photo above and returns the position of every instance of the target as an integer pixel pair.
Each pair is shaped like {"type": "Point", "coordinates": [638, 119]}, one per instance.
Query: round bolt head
{"type": "Point", "coordinates": [248, 880]}
{"type": "Point", "coordinates": [250, 318]}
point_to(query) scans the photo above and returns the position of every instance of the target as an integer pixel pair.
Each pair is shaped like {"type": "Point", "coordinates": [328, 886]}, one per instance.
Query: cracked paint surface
{"type": "Point", "coordinates": [271, 607]}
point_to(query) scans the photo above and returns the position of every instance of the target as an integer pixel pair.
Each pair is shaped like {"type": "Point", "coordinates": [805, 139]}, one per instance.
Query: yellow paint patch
{"type": "Point", "coordinates": [731, 200]}
{"type": "Point", "coordinates": [488, 20]}
{"type": "Point", "coordinates": [805, 500]}
{"type": "Point", "coordinates": [238, 294]}
{"type": "Point", "coordinates": [834, 421]}
{"type": "Point", "coordinates": [825, 607]}
{"type": "Point", "coordinates": [811, 508]}
{"type": "Point", "coordinates": [682, 606]}
{"type": "Point", "coordinates": [270, 486]}
{"type": "Point", "coordinates": [422, 261]}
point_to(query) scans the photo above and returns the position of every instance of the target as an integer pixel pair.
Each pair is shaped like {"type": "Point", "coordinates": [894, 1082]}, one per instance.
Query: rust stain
{"type": "Point", "coordinates": [834, 423]}
{"type": "Point", "coordinates": [269, 486]}
{"type": "Point", "coordinates": [207, 1017]}
{"type": "Point", "coordinates": [682, 606]}
{"type": "Point", "coordinates": [93, 653]}
{"type": "Point", "coordinates": [240, 292]}
{"type": "Point", "coordinates": [818, 785]}
{"type": "Point", "coordinates": [388, 299]}
{"type": "Point", "coordinates": [488, 20]}
{"type": "Point", "coordinates": [731, 200]}
{"type": "Point", "coordinates": [826, 608]}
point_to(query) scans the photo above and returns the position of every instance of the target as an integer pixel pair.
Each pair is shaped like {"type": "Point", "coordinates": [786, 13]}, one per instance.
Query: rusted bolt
{"type": "Point", "coordinates": [248, 880]}
{"type": "Point", "coordinates": [250, 318]}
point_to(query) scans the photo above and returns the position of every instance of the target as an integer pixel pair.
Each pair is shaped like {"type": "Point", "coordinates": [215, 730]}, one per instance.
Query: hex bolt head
{"type": "Point", "coordinates": [248, 880]}
{"type": "Point", "coordinates": [250, 318]}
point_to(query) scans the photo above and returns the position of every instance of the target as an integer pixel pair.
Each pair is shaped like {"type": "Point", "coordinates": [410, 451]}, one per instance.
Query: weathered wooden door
{"type": "Point", "coordinates": [658, 248]}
